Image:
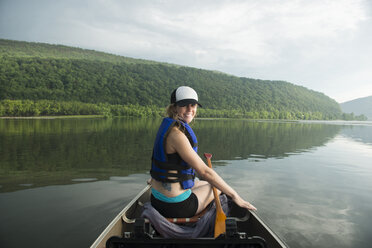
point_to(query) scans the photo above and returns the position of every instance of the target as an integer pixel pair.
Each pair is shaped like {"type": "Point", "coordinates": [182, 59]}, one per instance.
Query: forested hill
{"type": "Point", "coordinates": [36, 71]}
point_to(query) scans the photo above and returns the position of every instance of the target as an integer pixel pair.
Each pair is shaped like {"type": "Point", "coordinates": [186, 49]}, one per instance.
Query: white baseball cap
{"type": "Point", "coordinates": [184, 95]}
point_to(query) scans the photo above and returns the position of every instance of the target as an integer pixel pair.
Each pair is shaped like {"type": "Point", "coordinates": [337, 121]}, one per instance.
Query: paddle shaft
{"type": "Point", "coordinates": [219, 226]}
{"type": "Point", "coordinates": [216, 197]}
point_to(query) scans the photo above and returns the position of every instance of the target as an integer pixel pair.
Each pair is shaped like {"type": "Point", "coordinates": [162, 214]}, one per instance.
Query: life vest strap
{"type": "Point", "coordinates": [177, 177]}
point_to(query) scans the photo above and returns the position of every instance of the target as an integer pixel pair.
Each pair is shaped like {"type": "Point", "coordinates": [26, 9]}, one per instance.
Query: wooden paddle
{"type": "Point", "coordinates": [219, 225]}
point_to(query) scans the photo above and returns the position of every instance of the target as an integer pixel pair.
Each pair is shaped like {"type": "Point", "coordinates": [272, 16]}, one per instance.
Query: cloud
{"type": "Point", "coordinates": [258, 33]}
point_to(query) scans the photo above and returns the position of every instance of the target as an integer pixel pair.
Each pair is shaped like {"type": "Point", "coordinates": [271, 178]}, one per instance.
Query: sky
{"type": "Point", "coordinates": [323, 45]}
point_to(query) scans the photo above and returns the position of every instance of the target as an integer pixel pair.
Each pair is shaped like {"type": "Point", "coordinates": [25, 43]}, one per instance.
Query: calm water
{"type": "Point", "coordinates": [63, 180]}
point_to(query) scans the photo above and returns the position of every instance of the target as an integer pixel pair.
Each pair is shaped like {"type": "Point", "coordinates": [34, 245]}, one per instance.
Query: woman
{"type": "Point", "coordinates": [175, 192]}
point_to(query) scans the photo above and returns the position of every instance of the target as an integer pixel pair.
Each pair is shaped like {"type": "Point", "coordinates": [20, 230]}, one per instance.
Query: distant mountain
{"type": "Point", "coordinates": [358, 106]}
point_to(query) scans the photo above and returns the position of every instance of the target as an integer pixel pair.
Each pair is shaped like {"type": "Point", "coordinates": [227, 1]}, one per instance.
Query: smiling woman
{"type": "Point", "coordinates": [175, 192]}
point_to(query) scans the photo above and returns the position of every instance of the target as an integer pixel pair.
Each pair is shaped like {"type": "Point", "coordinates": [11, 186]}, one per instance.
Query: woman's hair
{"type": "Point", "coordinates": [171, 111]}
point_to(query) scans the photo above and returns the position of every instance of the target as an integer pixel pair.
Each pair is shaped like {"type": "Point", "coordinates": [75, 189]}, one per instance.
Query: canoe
{"type": "Point", "coordinates": [127, 229]}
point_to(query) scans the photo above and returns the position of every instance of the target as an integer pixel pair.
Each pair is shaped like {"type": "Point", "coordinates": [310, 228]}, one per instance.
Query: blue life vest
{"type": "Point", "coordinates": [161, 166]}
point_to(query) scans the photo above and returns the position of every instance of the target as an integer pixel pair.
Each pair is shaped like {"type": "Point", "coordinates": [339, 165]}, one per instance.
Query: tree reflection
{"type": "Point", "coordinates": [42, 152]}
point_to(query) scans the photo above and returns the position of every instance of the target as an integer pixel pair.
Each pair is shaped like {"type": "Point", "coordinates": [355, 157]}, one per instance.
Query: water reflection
{"type": "Point", "coordinates": [240, 139]}
{"type": "Point", "coordinates": [359, 133]}
{"type": "Point", "coordinates": [64, 151]}
{"type": "Point", "coordinates": [317, 199]}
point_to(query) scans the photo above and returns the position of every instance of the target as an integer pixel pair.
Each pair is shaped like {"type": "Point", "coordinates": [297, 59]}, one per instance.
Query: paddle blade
{"type": "Point", "coordinates": [220, 226]}
{"type": "Point", "coordinates": [207, 155]}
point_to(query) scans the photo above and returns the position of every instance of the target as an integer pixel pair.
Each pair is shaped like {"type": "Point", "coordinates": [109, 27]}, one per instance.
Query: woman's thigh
{"type": "Point", "coordinates": [204, 192]}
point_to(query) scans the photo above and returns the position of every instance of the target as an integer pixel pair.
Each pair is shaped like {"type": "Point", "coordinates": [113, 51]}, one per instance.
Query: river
{"type": "Point", "coordinates": [63, 180]}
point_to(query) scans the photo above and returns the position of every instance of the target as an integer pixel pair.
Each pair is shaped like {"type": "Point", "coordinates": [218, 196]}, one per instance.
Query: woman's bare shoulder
{"type": "Point", "coordinates": [176, 132]}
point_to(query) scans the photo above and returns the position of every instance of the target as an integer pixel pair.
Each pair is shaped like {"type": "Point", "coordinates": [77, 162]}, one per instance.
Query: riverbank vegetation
{"type": "Point", "coordinates": [27, 108]}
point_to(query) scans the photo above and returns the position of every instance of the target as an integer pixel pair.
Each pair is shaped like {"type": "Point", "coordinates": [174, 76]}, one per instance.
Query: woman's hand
{"type": "Point", "coordinates": [242, 203]}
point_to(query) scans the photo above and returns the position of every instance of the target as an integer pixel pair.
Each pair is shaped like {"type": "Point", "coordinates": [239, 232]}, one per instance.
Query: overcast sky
{"type": "Point", "coordinates": [324, 45]}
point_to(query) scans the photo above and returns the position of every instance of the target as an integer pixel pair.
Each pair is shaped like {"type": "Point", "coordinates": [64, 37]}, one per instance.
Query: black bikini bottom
{"type": "Point", "coordinates": [183, 209]}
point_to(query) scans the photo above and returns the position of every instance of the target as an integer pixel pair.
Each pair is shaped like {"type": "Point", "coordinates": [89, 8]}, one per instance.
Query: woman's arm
{"type": "Point", "coordinates": [178, 142]}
